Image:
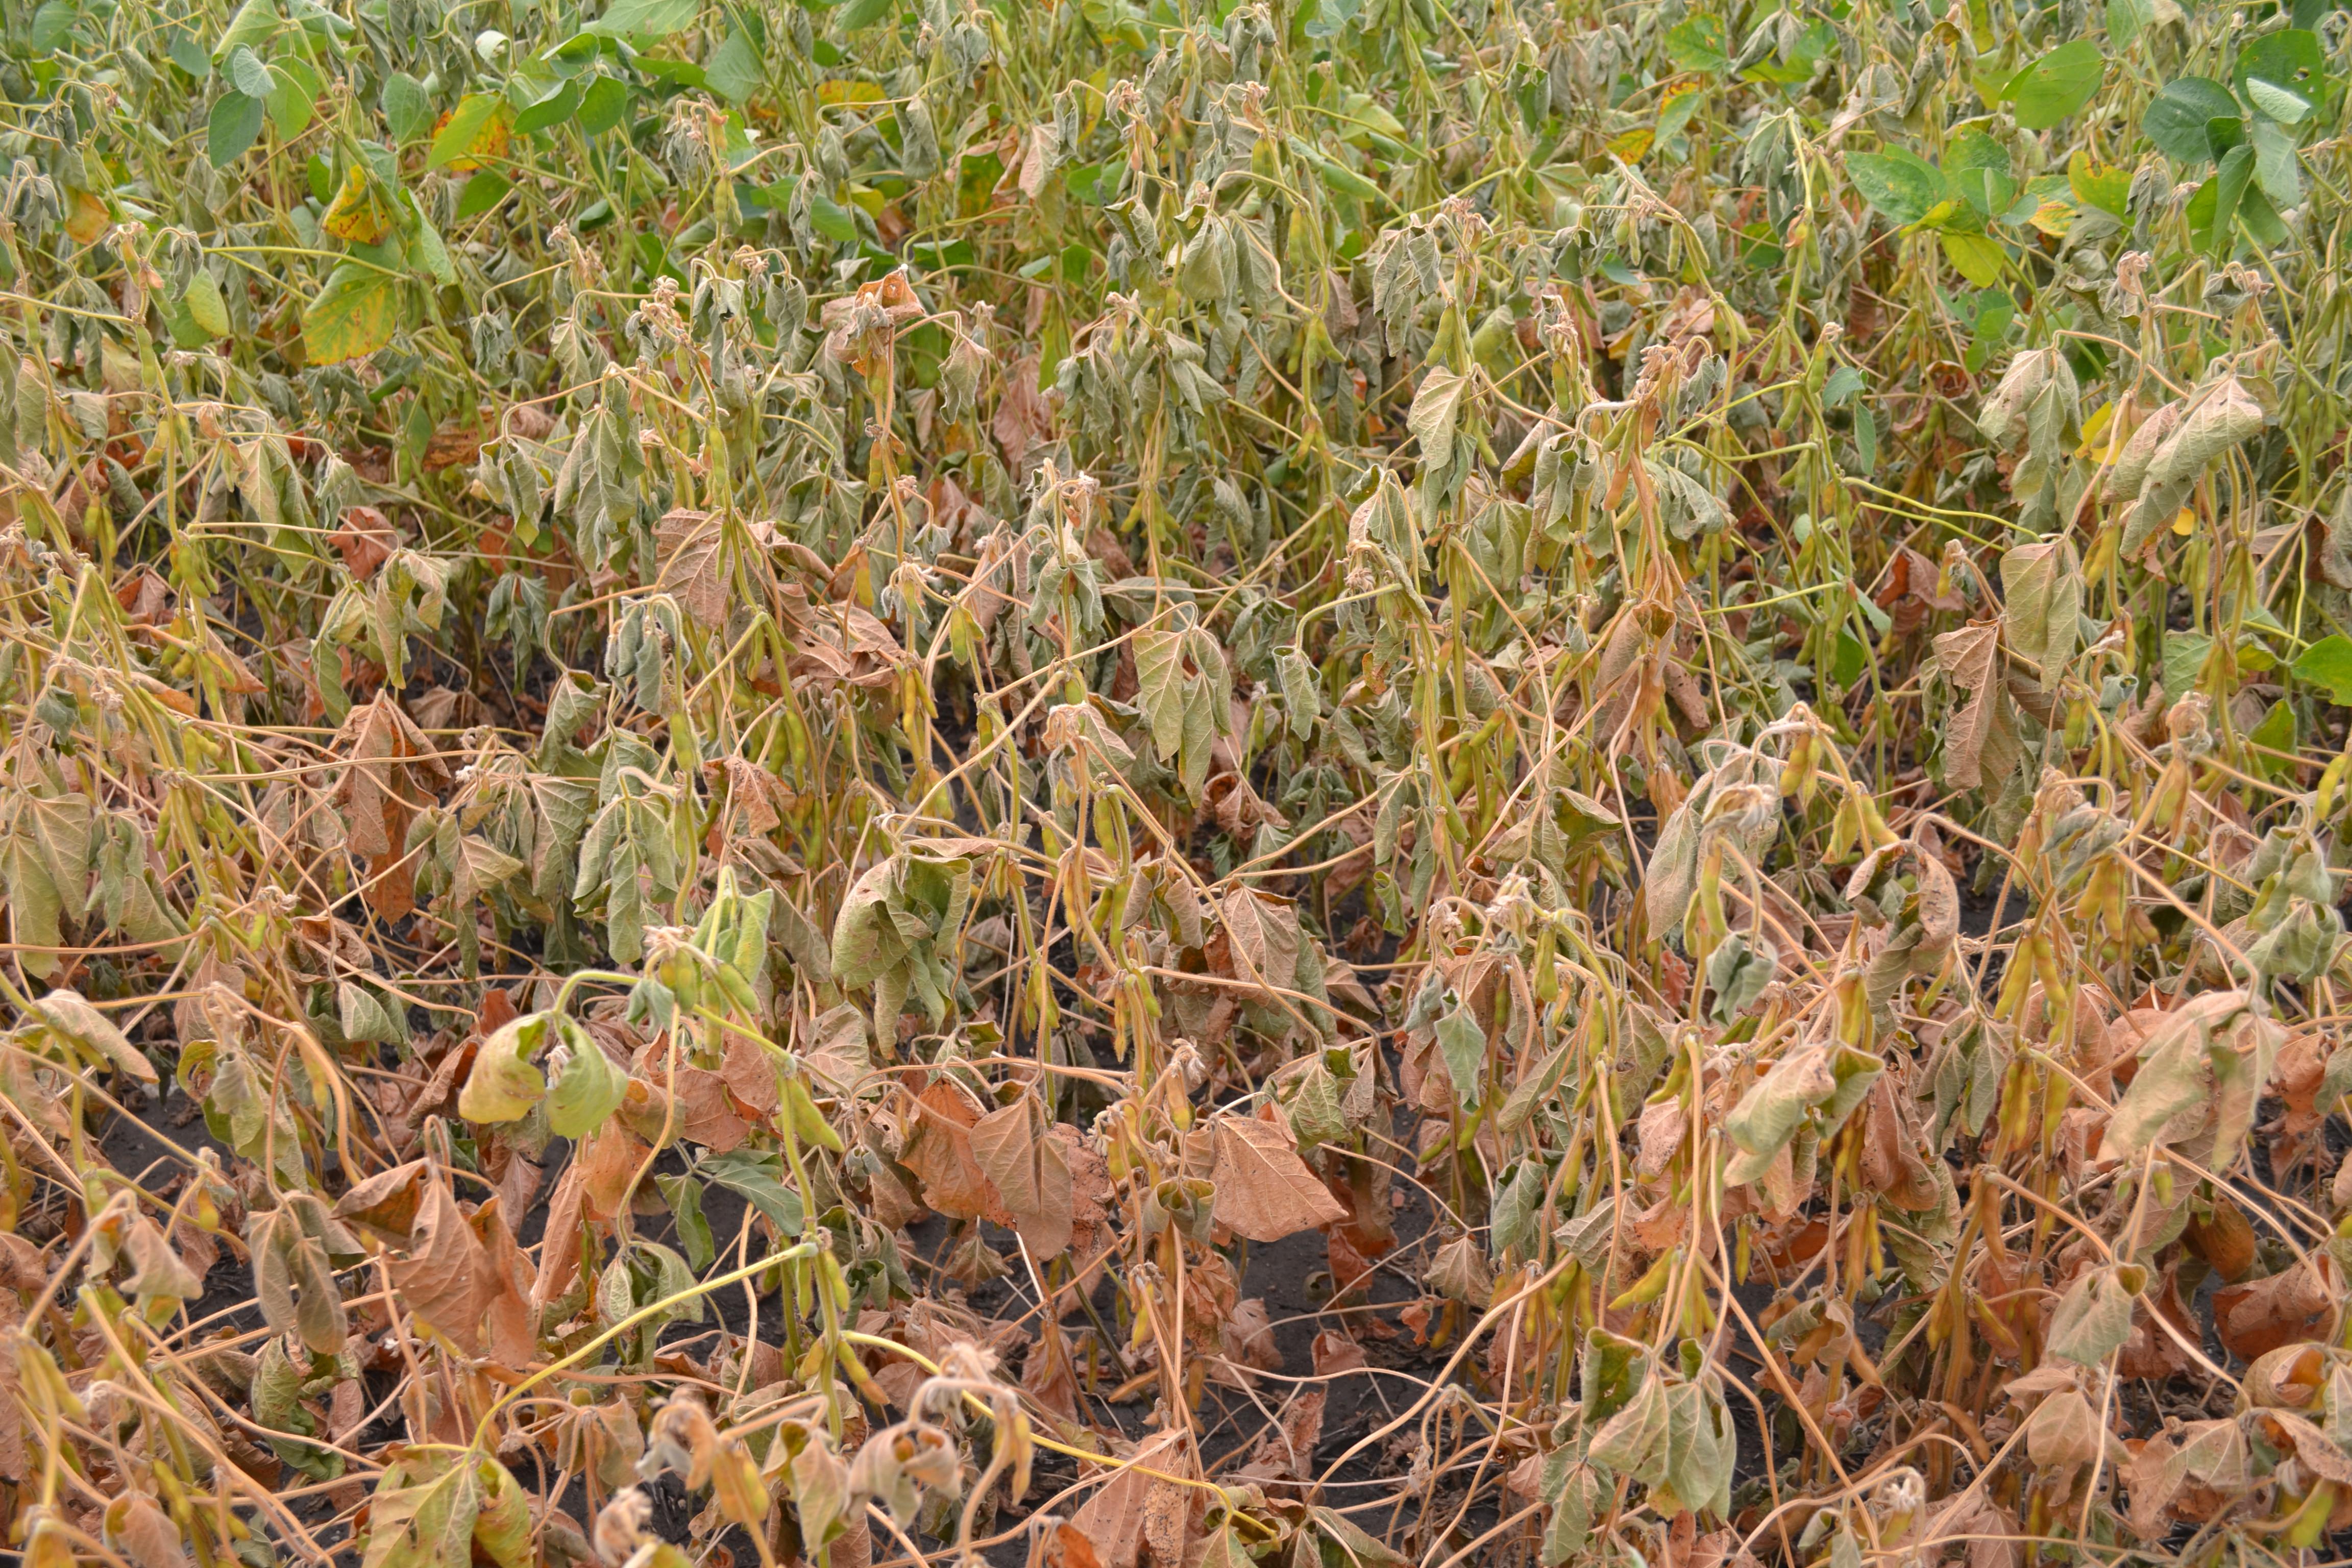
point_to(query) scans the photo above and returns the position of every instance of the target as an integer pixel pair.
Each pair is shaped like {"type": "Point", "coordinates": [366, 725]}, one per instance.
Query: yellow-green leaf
{"type": "Point", "coordinates": [355, 315]}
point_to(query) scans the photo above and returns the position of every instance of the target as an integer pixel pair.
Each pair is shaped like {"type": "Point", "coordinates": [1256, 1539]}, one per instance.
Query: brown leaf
{"type": "Point", "coordinates": [1335, 1354]}
{"type": "Point", "coordinates": [1250, 1330]}
{"type": "Point", "coordinates": [1265, 1191]}
{"type": "Point", "coordinates": [1975, 738]}
{"type": "Point", "coordinates": [23, 1265]}
{"type": "Point", "coordinates": [1022, 421]}
{"type": "Point", "coordinates": [147, 1534]}
{"type": "Point", "coordinates": [705, 1116]}
{"type": "Point", "coordinates": [1113, 1518]}
{"type": "Point", "coordinates": [12, 1406]}
{"type": "Point", "coordinates": [854, 1550]}
{"type": "Point", "coordinates": [938, 1150]}
{"type": "Point", "coordinates": [2150, 1352]}
{"type": "Point", "coordinates": [2225, 1241]}
{"type": "Point", "coordinates": [692, 569]}
{"type": "Point", "coordinates": [1089, 1191]}
{"type": "Point", "coordinates": [1286, 1450]}
{"type": "Point", "coordinates": [558, 1254]}
{"type": "Point", "coordinates": [1265, 936]}
{"type": "Point", "coordinates": [387, 1203]}
{"type": "Point", "coordinates": [2300, 1303]}
{"type": "Point", "coordinates": [607, 1161]}
{"type": "Point", "coordinates": [1048, 1376]}
{"type": "Point", "coordinates": [1068, 1547]}
{"type": "Point", "coordinates": [1981, 1524]}
{"type": "Point", "coordinates": [1168, 1522]}
{"type": "Point", "coordinates": [1032, 1178]}
{"type": "Point", "coordinates": [751, 1074]}
{"type": "Point", "coordinates": [513, 1337]}
{"type": "Point", "coordinates": [442, 1274]}
{"type": "Point", "coordinates": [364, 539]}
{"type": "Point", "coordinates": [453, 445]}
{"type": "Point", "coordinates": [389, 763]}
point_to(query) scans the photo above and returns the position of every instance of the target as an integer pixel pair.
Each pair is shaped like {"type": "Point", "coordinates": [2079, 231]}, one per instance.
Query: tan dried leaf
{"type": "Point", "coordinates": [1013, 1149]}
{"type": "Point", "coordinates": [1265, 1191]}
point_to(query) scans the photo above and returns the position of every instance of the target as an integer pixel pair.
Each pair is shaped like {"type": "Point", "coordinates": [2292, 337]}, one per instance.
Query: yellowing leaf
{"type": "Point", "coordinates": [479, 128]}
{"type": "Point", "coordinates": [355, 315]}
{"type": "Point", "coordinates": [1632, 144]}
{"type": "Point", "coordinates": [1978, 258]}
{"type": "Point", "coordinates": [425, 1524]}
{"type": "Point", "coordinates": [205, 306]}
{"type": "Point", "coordinates": [85, 216]}
{"type": "Point", "coordinates": [2053, 217]}
{"type": "Point", "coordinates": [2101, 441]}
{"type": "Point", "coordinates": [359, 212]}
{"type": "Point", "coordinates": [504, 1085]}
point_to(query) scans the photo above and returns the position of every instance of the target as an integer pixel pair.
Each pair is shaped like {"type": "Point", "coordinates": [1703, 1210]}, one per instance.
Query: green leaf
{"type": "Point", "coordinates": [1899, 183]}
{"type": "Point", "coordinates": [248, 75]}
{"type": "Point", "coordinates": [502, 1530]}
{"type": "Point", "coordinates": [2328, 663]}
{"type": "Point", "coordinates": [2260, 219]}
{"type": "Point", "coordinates": [1768, 1115]}
{"type": "Point", "coordinates": [684, 1195]}
{"type": "Point", "coordinates": [2293, 66]}
{"type": "Point", "coordinates": [254, 23]}
{"type": "Point", "coordinates": [2042, 591]}
{"type": "Point", "coordinates": [2056, 86]}
{"type": "Point", "coordinates": [1699, 44]}
{"type": "Point", "coordinates": [236, 121]}
{"type": "Point", "coordinates": [2184, 661]}
{"type": "Point", "coordinates": [588, 1088]}
{"type": "Point", "coordinates": [1159, 676]}
{"type": "Point", "coordinates": [2229, 182]}
{"type": "Point", "coordinates": [2276, 102]}
{"type": "Point", "coordinates": [2126, 19]}
{"type": "Point", "coordinates": [294, 98]}
{"type": "Point", "coordinates": [1224, 1549]}
{"type": "Point", "coordinates": [1464, 1046]}
{"type": "Point", "coordinates": [1977, 167]}
{"type": "Point", "coordinates": [1436, 408]}
{"type": "Point", "coordinates": [1633, 1443]}
{"type": "Point", "coordinates": [408, 112]}
{"type": "Point", "coordinates": [1701, 1449]}
{"type": "Point", "coordinates": [559, 105]}
{"type": "Point", "coordinates": [2176, 116]}
{"type": "Point", "coordinates": [431, 253]}
{"type": "Point", "coordinates": [1341, 178]}
{"type": "Point", "coordinates": [205, 306]}
{"type": "Point", "coordinates": [482, 193]}
{"type": "Point", "coordinates": [821, 1492]}
{"type": "Point", "coordinates": [52, 26]}
{"type": "Point", "coordinates": [2096, 185]}
{"type": "Point", "coordinates": [72, 1017]}
{"type": "Point", "coordinates": [2276, 167]}
{"type": "Point", "coordinates": [355, 315]}
{"type": "Point", "coordinates": [733, 70]}
{"type": "Point", "coordinates": [602, 105]}
{"type": "Point", "coordinates": [646, 18]}
{"type": "Point", "coordinates": [757, 1178]}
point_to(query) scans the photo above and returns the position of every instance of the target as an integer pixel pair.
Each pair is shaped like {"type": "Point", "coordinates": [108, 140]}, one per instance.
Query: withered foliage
{"type": "Point", "coordinates": [1326, 783]}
